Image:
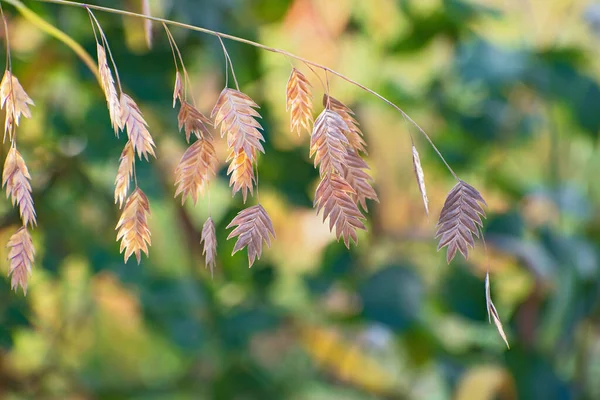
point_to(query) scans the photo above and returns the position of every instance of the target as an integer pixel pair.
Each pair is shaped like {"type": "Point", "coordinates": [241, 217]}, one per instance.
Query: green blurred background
{"type": "Point", "coordinates": [508, 90]}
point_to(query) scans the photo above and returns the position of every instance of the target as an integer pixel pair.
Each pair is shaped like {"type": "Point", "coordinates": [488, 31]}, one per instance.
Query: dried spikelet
{"type": "Point", "coordinates": [110, 92]}
{"type": "Point", "coordinates": [236, 114]}
{"type": "Point", "coordinates": [194, 170]}
{"type": "Point", "coordinates": [328, 143]}
{"type": "Point", "coordinates": [15, 177]}
{"type": "Point", "coordinates": [178, 89]}
{"type": "Point", "coordinates": [242, 173]}
{"type": "Point", "coordinates": [16, 100]}
{"type": "Point", "coordinates": [193, 121]}
{"type": "Point", "coordinates": [420, 178]}
{"type": "Point", "coordinates": [353, 133]}
{"type": "Point", "coordinates": [253, 227]}
{"type": "Point", "coordinates": [492, 312]}
{"type": "Point", "coordinates": [459, 220]}
{"type": "Point", "coordinates": [21, 256]}
{"type": "Point", "coordinates": [132, 228]}
{"type": "Point", "coordinates": [354, 174]}
{"type": "Point", "coordinates": [299, 102]}
{"type": "Point", "coordinates": [334, 196]}
{"type": "Point", "coordinates": [137, 128]}
{"type": "Point", "coordinates": [209, 237]}
{"type": "Point", "coordinates": [124, 173]}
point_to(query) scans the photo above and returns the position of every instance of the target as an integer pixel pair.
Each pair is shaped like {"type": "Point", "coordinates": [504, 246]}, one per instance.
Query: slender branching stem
{"type": "Point", "coordinates": [106, 46]}
{"type": "Point", "coordinates": [58, 34]}
{"type": "Point", "coordinates": [228, 60]}
{"type": "Point", "coordinates": [221, 36]}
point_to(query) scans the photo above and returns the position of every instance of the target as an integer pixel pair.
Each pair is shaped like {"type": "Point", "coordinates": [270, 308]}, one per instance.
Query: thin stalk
{"type": "Point", "coordinates": [258, 45]}
{"type": "Point", "coordinates": [228, 59]}
{"type": "Point", "coordinates": [58, 34]}
{"type": "Point", "coordinates": [107, 47]}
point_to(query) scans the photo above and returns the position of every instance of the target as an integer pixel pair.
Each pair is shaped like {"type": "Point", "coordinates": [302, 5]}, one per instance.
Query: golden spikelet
{"type": "Point", "coordinates": [460, 219]}
{"type": "Point", "coordinates": [420, 178]}
{"type": "Point", "coordinates": [209, 238]}
{"type": "Point", "coordinates": [299, 102]}
{"type": "Point", "coordinates": [197, 165]}
{"type": "Point", "coordinates": [253, 227]}
{"type": "Point", "coordinates": [110, 92]}
{"type": "Point", "coordinates": [334, 197]}
{"type": "Point", "coordinates": [241, 170]}
{"type": "Point", "coordinates": [328, 143]}
{"type": "Point", "coordinates": [235, 112]}
{"type": "Point", "coordinates": [124, 173]}
{"type": "Point", "coordinates": [353, 172]}
{"type": "Point", "coordinates": [132, 228]}
{"type": "Point", "coordinates": [16, 101]}
{"type": "Point", "coordinates": [137, 128]}
{"type": "Point", "coordinates": [20, 255]}
{"type": "Point", "coordinates": [15, 177]}
{"type": "Point", "coordinates": [178, 89]}
{"type": "Point", "coordinates": [353, 133]}
{"type": "Point", "coordinates": [193, 121]}
{"type": "Point", "coordinates": [492, 312]}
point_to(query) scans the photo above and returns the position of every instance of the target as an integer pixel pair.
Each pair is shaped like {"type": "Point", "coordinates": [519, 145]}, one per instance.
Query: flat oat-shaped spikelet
{"type": "Point", "coordinates": [21, 256]}
{"type": "Point", "coordinates": [132, 228]}
{"type": "Point", "coordinates": [328, 143]}
{"type": "Point", "coordinates": [178, 89]}
{"type": "Point", "coordinates": [420, 178]}
{"type": "Point", "coordinates": [15, 177]}
{"type": "Point", "coordinates": [197, 165]}
{"type": "Point", "coordinates": [353, 133]}
{"type": "Point", "coordinates": [299, 102]}
{"type": "Point", "coordinates": [460, 219]}
{"type": "Point", "coordinates": [16, 101]}
{"type": "Point", "coordinates": [253, 227]}
{"type": "Point", "coordinates": [124, 174]}
{"type": "Point", "coordinates": [193, 121]}
{"type": "Point", "coordinates": [355, 175]}
{"type": "Point", "coordinates": [209, 238]}
{"type": "Point", "coordinates": [334, 197]}
{"type": "Point", "coordinates": [492, 312]}
{"type": "Point", "coordinates": [241, 170]}
{"type": "Point", "coordinates": [137, 128]}
{"type": "Point", "coordinates": [235, 112]}
{"type": "Point", "coordinates": [110, 92]}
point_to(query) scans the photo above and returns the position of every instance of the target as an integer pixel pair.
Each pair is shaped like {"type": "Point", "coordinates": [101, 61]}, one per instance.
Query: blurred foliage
{"type": "Point", "coordinates": [509, 91]}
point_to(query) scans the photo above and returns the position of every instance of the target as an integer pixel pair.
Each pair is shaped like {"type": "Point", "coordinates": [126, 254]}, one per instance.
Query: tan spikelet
{"type": "Point", "coordinates": [209, 238]}
{"type": "Point", "coordinates": [193, 121]}
{"type": "Point", "coordinates": [353, 133]}
{"type": "Point", "coordinates": [460, 219]}
{"type": "Point", "coordinates": [241, 170]}
{"type": "Point", "coordinates": [420, 178]}
{"type": "Point", "coordinates": [353, 172]}
{"type": "Point", "coordinates": [334, 197]}
{"type": "Point", "coordinates": [328, 143]}
{"type": "Point", "coordinates": [235, 113]}
{"type": "Point", "coordinates": [197, 165]}
{"type": "Point", "coordinates": [299, 102]}
{"type": "Point", "coordinates": [20, 256]}
{"type": "Point", "coordinates": [137, 128]}
{"type": "Point", "coordinates": [132, 228]}
{"type": "Point", "coordinates": [124, 174]}
{"type": "Point", "coordinates": [178, 89]}
{"type": "Point", "coordinates": [15, 177]}
{"type": "Point", "coordinates": [15, 100]}
{"type": "Point", "coordinates": [110, 92]}
{"type": "Point", "coordinates": [492, 312]}
{"type": "Point", "coordinates": [253, 227]}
